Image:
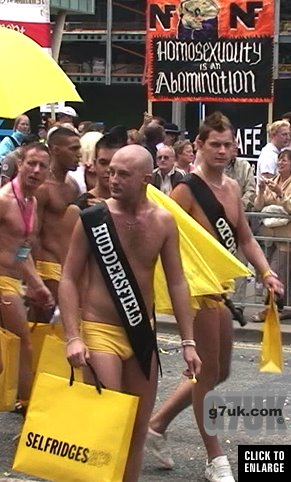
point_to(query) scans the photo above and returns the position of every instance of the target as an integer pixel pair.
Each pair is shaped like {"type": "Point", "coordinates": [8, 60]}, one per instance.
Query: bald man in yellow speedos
{"type": "Point", "coordinates": [135, 219]}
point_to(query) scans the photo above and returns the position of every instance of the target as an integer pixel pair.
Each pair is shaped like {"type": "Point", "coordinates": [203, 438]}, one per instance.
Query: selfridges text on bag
{"type": "Point", "coordinates": [74, 433]}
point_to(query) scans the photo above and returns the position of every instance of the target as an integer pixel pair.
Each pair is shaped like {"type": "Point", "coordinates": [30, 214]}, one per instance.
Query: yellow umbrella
{"type": "Point", "coordinates": [207, 265]}
{"type": "Point", "coordinates": [29, 76]}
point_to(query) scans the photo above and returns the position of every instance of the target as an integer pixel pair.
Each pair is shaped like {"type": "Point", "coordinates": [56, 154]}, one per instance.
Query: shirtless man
{"type": "Point", "coordinates": [213, 323]}
{"type": "Point", "coordinates": [105, 149]}
{"type": "Point", "coordinates": [17, 231]}
{"type": "Point", "coordinates": [135, 219]}
{"type": "Point", "coordinates": [53, 198]}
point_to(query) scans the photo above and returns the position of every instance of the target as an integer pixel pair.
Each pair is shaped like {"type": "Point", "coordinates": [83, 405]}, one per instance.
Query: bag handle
{"type": "Point", "coordinates": [272, 298]}
{"type": "Point", "coordinates": [98, 384]}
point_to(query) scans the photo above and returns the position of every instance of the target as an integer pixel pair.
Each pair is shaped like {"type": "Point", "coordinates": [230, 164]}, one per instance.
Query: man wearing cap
{"type": "Point", "coordinates": [67, 115]}
{"type": "Point", "coordinates": [172, 133]}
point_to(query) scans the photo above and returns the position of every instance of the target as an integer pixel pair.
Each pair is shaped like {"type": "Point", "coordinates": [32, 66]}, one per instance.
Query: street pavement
{"type": "Point", "coordinates": [183, 436]}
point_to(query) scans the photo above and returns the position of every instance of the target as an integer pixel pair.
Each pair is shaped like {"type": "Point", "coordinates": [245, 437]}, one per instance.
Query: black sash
{"type": "Point", "coordinates": [121, 282]}
{"type": "Point", "coordinates": [214, 211]}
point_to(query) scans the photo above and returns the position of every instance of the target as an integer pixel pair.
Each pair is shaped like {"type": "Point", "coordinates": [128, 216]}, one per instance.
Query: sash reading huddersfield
{"type": "Point", "coordinates": [121, 282]}
{"type": "Point", "coordinates": [117, 274]}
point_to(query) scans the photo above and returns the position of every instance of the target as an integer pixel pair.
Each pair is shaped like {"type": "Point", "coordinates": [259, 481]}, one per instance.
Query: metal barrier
{"type": "Point", "coordinates": [250, 292]}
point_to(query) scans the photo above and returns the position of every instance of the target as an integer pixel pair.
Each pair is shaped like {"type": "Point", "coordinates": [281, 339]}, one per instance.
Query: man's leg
{"type": "Point", "coordinates": [178, 400]}
{"type": "Point", "coordinates": [213, 335]}
{"type": "Point", "coordinates": [108, 368]}
{"type": "Point", "coordinates": [13, 318]}
{"type": "Point", "coordinates": [134, 382]}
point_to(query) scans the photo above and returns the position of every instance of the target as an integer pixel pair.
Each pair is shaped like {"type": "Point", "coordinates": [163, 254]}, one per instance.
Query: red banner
{"type": "Point", "coordinates": [210, 50]}
{"type": "Point", "coordinates": [39, 32]}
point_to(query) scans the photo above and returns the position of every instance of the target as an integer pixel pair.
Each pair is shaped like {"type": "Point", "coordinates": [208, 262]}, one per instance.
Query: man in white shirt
{"type": "Point", "coordinates": [279, 137]}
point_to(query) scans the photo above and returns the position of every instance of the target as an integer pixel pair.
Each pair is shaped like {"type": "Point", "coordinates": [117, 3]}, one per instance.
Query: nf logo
{"type": "Point", "coordinates": [164, 16]}
{"type": "Point", "coordinates": [256, 412]}
{"type": "Point", "coordinates": [248, 17]}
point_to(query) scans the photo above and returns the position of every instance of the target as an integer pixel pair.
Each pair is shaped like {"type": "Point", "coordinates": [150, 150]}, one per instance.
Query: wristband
{"type": "Point", "coordinates": [188, 343]}
{"type": "Point", "coordinates": [268, 273]}
{"type": "Point", "coordinates": [73, 339]}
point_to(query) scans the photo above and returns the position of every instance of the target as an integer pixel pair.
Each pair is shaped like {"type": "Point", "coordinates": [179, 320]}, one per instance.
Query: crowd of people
{"type": "Point", "coordinates": [76, 194]}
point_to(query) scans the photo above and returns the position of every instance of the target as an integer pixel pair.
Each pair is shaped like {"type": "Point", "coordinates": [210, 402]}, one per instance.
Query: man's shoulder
{"type": "Point", "coordinates": [5, 197]}
{"type": "Point", "coordinates": [268, 149]}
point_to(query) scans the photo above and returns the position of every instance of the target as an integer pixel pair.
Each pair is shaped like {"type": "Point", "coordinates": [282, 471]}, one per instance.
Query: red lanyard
{"type": "Point", "coordinates": [25, 207]}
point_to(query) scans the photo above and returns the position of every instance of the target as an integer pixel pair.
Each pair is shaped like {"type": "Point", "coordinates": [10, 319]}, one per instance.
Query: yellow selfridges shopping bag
{"type": "Point", "coordinates": [74, 433]}
{"type": "Point", "coordinates": [271, 355]}
{"type": "Point", "coordinates": [10, 348]}
{"type": "Point", "coordinates": [53, 359]}
{"type": "Point", "coordinates": [38, 331]}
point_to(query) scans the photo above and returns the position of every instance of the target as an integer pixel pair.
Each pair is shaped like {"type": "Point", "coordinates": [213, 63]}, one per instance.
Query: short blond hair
{"type": "Point", "coordinates": [273, 128]}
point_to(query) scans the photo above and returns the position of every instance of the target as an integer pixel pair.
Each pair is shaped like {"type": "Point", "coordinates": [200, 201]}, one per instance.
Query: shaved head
{"type": "Point", "coordinates": [135, 157]}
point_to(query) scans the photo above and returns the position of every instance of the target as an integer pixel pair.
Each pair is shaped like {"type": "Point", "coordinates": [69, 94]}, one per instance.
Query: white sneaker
{"type": "Point", "coordinates": [157, 444]}
{"type": "Point", "coordinates": [219, 470]}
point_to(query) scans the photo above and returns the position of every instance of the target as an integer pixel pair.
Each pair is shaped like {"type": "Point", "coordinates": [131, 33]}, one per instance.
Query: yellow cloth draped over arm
{"type": "Point", "coordinates": [207, 265]}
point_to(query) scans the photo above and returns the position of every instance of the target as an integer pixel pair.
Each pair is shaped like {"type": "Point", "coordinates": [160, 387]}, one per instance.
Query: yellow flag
{"type": "Point", "coordinates": [207, 264]}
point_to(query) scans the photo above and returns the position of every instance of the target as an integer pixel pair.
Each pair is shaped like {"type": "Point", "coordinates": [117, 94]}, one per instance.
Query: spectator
{"type": "Point", "coordinates": [172, 133]}
{"type": "Point", "coordinates": [150, 119]}
{"type": "Point", "coordinates": [184, 156]}
{"type": "Point", "coordinates": [277, 192]}
{"type": "Point", "coordinates": [134, 137]}
{"type": "Point", "coordinates": [166, 175]}
{"type": "Point", "coordinates": [242, 172]}
{"type": "Point", "coordinates": [84, 126]}
{"type": "Point", "coordinates": [66, 116]}
{"type": "Point", "coordinates": [9, 168]}
{"type": "Point", "coordinates": [85, 174]}
{"type": "Point", "coordinates": [154, 134]}
{"type": "Point", "coordinates": [279, 137]}
{"type": "Point", "coordinates": [42, 133]}
{"type": "Point", "coordinates": [21, 128]}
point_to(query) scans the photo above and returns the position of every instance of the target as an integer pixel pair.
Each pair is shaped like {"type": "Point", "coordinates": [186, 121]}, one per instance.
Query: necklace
{"type": "Point", "coordinates": [53, 176]}
{"type": "Point", "coordinates": [218, 186]}
{"type": "Point", "coordinates": [130, 224]}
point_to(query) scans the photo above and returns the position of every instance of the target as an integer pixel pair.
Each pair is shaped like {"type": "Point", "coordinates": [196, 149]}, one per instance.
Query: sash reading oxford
{"type": "Point", "coordinates": [117, 274]}
{"type": "Point", "coordinates": [226, 234]}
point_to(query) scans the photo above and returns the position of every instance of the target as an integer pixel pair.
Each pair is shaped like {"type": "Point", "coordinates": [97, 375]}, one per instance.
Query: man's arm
{"type": "Point", "coordinates": [179, 291]}
{"type": "Point", "coordinates": [42, 198]}
{"type": "Point", "coordinates": [36, 289]}
{"type": "Point", "coordinates": [69, 298]}
{"type": "Point", "coordinates": [69, 222]}
{"type": "Point", "coordinates": [255, 255]}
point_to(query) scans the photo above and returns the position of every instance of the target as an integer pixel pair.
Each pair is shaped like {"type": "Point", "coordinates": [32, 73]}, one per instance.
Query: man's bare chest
{"type": "Point", "coordinates": [60, 196]}
{"type": "Point", "coordinates": [139, 241]}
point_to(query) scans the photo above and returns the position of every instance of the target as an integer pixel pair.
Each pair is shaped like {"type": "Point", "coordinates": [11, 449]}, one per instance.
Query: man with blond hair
{"type": "Point", "coordinates": [279, 137]}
